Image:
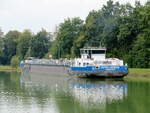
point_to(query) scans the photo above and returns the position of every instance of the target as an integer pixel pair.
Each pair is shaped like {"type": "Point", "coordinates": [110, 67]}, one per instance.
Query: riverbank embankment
{"type": "Point", "coordinates": [138, 74]}
{"type": "Point", "coordinates": [9, 68]}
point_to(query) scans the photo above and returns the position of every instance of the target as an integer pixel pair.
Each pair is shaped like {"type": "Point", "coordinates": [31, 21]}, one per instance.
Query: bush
{"type": "Point", "coordinates": [15, 61]}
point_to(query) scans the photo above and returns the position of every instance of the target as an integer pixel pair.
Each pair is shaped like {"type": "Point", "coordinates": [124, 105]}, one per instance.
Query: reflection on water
{"type": "Point", "coordinates": [90, 94]}
{"type": "Point", "coordinates": [102, 93]}
{"type": "Point", "coordinates": [61, 94]}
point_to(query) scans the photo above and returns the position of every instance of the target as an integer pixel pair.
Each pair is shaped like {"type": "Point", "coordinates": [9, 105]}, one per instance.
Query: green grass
{"type": "Point", "coordinates": [9, 68]}
{"type": "Point", "coordinates": [138, 75]}
{"type": "Point", "coordinates": [139, 71]}
{"type": "Point", "coordinates": [136, 79]}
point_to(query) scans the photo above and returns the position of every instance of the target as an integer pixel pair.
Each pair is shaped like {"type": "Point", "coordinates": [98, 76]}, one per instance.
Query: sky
{"type": "Point", "coordinates": [47, 14]}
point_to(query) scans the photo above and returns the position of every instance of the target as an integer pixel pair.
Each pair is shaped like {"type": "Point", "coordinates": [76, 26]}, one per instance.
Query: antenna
{"type": "Point", "coordinates": [95, 44]}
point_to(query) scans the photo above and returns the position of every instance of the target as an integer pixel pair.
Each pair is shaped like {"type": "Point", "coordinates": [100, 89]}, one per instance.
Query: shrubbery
{"type": "Point", "coordinates": [15, 61]}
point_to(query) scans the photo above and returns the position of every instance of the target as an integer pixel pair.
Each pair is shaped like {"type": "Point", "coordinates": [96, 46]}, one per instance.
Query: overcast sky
{"type": "Point", "coordinates": [37, 14]}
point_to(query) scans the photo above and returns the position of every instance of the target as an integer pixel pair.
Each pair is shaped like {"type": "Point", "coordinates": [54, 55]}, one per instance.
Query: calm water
{"type": "Point", "coordinates": [47, 94]}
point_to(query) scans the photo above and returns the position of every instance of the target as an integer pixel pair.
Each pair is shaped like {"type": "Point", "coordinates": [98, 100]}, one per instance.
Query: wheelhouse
{"type": "Point", "coordinates": [93, 53]}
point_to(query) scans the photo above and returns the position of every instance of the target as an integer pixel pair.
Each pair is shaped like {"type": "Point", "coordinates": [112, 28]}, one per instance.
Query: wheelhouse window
{"type": "Point", "coordinates": [98, 51]}
{"type": "Point", "coordinates": [84, 51]}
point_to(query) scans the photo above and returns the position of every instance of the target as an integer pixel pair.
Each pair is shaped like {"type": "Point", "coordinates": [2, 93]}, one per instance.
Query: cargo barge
{"type": "Point", "coordinates": [93, 63]}
{"type": "Point", "coordinates": [45, 67]}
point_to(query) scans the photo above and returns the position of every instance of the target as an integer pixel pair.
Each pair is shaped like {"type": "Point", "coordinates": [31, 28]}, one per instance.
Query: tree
{"type": "Point", "coordinates": [39, 44]}
{"type": "Point", "coordinates": [14, 35]}
{"type": "Point", "coordinates": [140, 53]}
{"type": "Point", "coordinates": [15, 61]}
{"type": "Point", "coordinates": [24, 43]}
{"type": "Point", "coordinates": [9, 46]}
{"type": "Point", "coordinates": [67, 34]}
{"type": "Point", "coordinates": [1, 46]}
{"type": "Point", "coordinates": [1, 33]}
{"type": "Point", "coordinates": [9, 50]}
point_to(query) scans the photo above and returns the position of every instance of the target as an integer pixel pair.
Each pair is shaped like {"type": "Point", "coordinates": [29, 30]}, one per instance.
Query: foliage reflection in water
{"type": "Point", "coordinates": [48, 94]}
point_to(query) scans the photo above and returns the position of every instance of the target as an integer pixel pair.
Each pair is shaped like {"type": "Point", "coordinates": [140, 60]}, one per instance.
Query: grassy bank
{"type": "Point", "coordinates": [137, 79]}
{"type": "Point", "coordinates": [9, 68]}
{"type": "Point", "coordinates": [138, 74]}
{"type": "Point", "coordinates": [139, 71]}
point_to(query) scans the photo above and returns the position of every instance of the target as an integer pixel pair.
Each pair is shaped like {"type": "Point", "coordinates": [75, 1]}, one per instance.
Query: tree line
{"type": "Point", "coordinates": [21, 45]}
{"type": "Point", "coordinates": [123, 29]}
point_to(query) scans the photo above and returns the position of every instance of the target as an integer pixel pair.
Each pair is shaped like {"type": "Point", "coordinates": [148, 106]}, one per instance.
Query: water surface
{"type": "Point", "coordinates": [23, 93]}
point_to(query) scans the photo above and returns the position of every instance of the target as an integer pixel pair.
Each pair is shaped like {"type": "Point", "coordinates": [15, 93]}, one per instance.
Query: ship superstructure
{"type": "Point", "coordinates": [93, 62]}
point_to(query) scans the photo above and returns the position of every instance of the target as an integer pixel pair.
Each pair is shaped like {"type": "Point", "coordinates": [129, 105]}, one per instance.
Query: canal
{"type": "Point", "coordinates": [24, 93]}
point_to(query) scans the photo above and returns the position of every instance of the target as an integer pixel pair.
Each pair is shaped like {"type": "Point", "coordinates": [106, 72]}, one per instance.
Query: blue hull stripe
{"type": "Point", "coordinates": [101, 68]}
